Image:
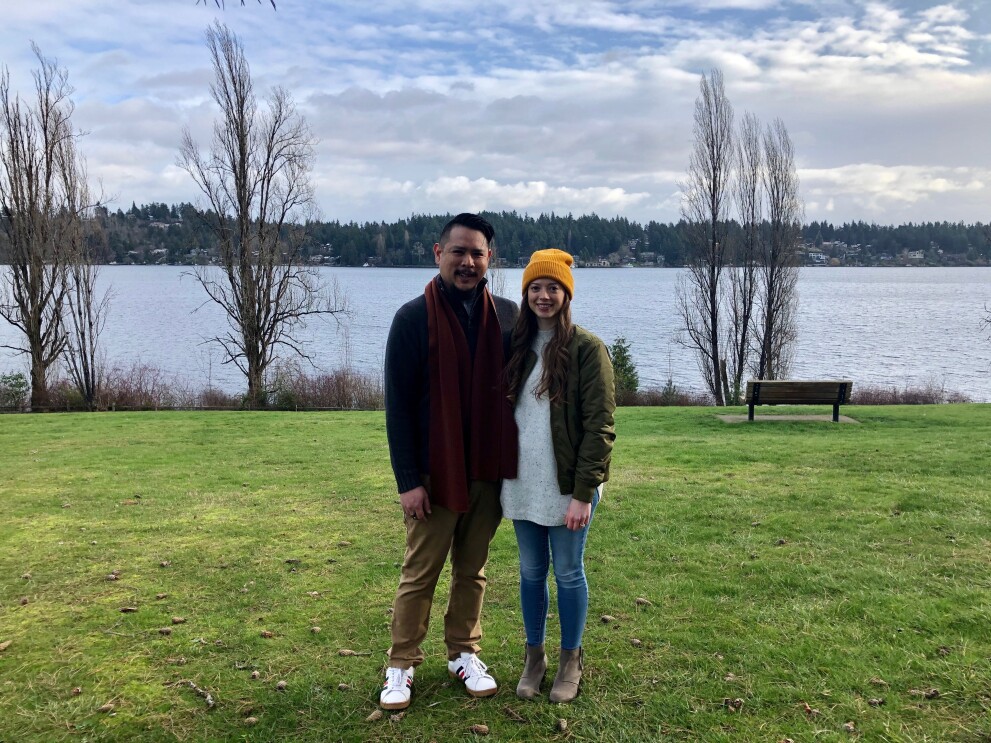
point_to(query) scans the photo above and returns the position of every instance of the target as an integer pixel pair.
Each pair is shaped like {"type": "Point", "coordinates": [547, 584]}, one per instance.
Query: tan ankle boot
{"type": "Point", "coordinates": [569, 673]}
{"type": "Point", "coordinates": [534, 670]}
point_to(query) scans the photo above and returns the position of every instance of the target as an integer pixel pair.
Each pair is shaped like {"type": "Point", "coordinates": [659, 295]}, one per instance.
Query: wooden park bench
{"type": "Point", "coordinates": [798, 392]}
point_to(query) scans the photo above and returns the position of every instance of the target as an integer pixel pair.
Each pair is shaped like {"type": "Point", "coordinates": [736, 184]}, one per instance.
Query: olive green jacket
{"type": "Point", "coordinates": [582, 427]}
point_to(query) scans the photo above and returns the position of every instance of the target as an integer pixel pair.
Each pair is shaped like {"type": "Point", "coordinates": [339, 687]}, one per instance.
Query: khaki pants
{"type": "Point", "coordinates": [466, 537]}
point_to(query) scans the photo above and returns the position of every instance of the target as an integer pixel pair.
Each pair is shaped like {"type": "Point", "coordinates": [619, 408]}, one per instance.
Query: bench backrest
{"type": "Point", "coordinates": [798, 392]}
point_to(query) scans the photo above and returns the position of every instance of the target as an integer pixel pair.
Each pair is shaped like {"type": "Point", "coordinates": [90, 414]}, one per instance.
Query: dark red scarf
{"type": "Point", "coordinates": [472, 431]}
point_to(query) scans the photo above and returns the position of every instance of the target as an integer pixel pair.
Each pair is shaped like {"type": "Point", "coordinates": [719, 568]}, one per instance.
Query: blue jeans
{"type": "Point", "coordinates": [538, 546]}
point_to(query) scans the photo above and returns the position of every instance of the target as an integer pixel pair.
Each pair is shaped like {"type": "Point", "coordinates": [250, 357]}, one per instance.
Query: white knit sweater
{"type": "Point", "coordinates": [535, 495]}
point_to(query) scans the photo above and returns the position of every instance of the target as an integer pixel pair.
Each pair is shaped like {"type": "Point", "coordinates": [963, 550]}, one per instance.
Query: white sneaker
{"type": "Point", "coordinates": [397, 689]}
{"type": "Point", "coordinates": [478, 681]}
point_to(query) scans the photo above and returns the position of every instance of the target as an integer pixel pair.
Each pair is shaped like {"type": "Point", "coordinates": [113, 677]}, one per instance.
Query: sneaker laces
{"type": "Point", "coordinates": [394, 679]}
{"type": "Point", "coordinates": [473, 666]}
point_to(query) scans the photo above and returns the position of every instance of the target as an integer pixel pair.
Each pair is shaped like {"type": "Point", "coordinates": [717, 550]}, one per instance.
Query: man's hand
{"type": "Point", "coordinates": [416, 503]}
{"type": "Point", "coordinates": [578, 515]}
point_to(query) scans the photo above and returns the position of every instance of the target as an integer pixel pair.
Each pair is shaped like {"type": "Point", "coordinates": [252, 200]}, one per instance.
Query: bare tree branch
{"type": "Point", "coordinates": [255, 178]}
{"type": "Point", "coordinates": [221, 3]}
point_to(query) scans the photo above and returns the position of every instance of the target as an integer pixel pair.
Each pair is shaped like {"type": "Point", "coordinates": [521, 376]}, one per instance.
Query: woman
{"type": "Point", "coordinates": [561, 383]}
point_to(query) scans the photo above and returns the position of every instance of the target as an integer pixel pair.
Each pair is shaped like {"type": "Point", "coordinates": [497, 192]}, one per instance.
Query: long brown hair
{"type": "Point", "coordinates": [554, 379]}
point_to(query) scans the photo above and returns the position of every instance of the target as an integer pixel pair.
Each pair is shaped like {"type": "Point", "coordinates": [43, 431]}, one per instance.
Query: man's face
{"type": "Point", "coordinates": [463, 259]}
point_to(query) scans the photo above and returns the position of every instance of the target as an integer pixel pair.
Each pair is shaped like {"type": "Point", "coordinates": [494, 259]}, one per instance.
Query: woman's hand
{"type": "Point", "coordinates": [578, 515]}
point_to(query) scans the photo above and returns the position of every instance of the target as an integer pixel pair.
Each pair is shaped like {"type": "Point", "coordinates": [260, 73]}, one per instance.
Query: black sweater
{"type": "Point", "coordinates": [407, 378]}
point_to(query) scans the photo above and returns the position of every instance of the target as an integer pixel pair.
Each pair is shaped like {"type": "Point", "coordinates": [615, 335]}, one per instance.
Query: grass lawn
{"type": "Point", "coordinates": [769, 581]}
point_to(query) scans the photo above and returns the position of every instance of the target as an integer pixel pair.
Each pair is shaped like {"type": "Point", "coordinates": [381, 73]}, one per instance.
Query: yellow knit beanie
{"type": "Point", "coordinates": [550, 264]}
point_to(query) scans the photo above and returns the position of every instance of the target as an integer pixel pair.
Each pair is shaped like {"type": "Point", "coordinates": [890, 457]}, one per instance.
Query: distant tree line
{"type": "Point", "coordinates": [181, 234]}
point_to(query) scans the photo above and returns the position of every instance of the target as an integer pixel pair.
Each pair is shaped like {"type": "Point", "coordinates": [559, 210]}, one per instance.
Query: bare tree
{"type": "Point", "coordinates": [87, 309]}
{"type": "Point", "coordinates": [777, 331]}
{"type": "Point", "coordinates": [256, 180]}
{"type": "Point", "coordinates": [42, 195]}
{"type": "Point", "coordinates": [747, 253]}
{"type": "Point", "coordinates": [705, 206]}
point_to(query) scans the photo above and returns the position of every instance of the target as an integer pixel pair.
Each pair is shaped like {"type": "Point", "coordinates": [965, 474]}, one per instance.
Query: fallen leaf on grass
{"type": "Point", "coordinates": [293, 561]}
{"type": "Point", "coordinates": [281, 686]}
{"type": "Point", "coordinates": [165, 563]}
{"type": "Point", "coordinates": [113, 576]}
{"type": "Point", "coordinates": [130, 502]}
{"type": "Point", "coordinates": [849, 727]}
{"type": "Point", "coordinates": [165, 631]}
{"type": "Point", "coordinates": [178, 620]}
{"type": "Point", "coordinates": [943, 650]}
{"type": "Point", "coordinates": [635, 642]}
{"type": "Point", "coordinates": [315, 629]}
{"type": "Point", "coordinates": [562, 725]}
{"type": "Point", "coordinates": [314, 594]}
{"type": "Point", "coordinates": [479, 729]}
{"type": "Point", "coordinates": [875, 702]}
{"type": "Point", "coordinates": [729, 677]}
{"type": "Point", "coordinates": [250, 720]}
{"type": "Point", "coordinates": [878, 681]}
{"type": "Point", "coordinates": [108, 707]}
{"type": "Point", "coordinates": [810, 712]}
{"type": "Point", "coordinates": [267, 634]}
{"type": "Point", "coordinates": [347, 652]}
{"type": "Point", "coordinates": [641, 601]}
{"type": "Point", "coordinates": [343, 687]}
{"type": "Point", "coordinates": [77, 691]}
{"type": "Point", "coordinates": [24, 601]}
{"type": "Point", "coordinates": [26, 576]}
{"type": "Point", "coordinates": [781, 542]}
{"type": "Point", "coordinates": [161, 596]}
{"type": "Point", "coordinates": [397, 717]}
{"type": "Point", "coordinates": [733, 705]}
{"type": "Point", "coordinates": [255, 675]}
{"type": "Point", "coordinates": [344, 544]}
{"type": "Point", "coordinates": [128, 609]}
{"type": "Point", "coordinates": [4, 645]}
{"type": "Point", "coordinates": [607, 618]}
{"type": "Point", "coordinates": [375, 716]}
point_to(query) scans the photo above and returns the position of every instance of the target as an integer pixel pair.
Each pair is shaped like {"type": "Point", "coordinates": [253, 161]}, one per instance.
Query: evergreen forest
{"type": "Point", "coordinates": [159, 233]}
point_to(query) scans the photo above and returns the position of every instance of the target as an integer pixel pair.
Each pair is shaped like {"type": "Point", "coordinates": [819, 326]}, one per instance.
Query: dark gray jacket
{"type": "Point", "coordinates": [407, 378]}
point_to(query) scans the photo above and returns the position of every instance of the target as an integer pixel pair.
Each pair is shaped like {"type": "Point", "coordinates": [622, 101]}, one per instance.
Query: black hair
{"type": "Point", "coordinates": [472, 222]}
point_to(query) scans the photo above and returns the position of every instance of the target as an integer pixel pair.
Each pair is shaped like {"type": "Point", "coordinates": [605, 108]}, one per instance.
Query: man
{"type": "Point", "coordinates": [452, 439]}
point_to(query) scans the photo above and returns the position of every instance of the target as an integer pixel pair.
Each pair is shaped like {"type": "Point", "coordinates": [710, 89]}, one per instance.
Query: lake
{"type": "Point", "coordinates": [879, 326]}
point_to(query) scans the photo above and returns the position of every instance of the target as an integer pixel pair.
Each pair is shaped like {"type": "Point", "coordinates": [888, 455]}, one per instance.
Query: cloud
{"type": "Point", "coordinates": [874, 190]}
{"type": "Point", "coordinates": [569, 105]}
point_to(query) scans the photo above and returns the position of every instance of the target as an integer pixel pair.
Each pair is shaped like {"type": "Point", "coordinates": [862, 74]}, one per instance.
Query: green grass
{"type": "Point", "coordinates": [785, 564]}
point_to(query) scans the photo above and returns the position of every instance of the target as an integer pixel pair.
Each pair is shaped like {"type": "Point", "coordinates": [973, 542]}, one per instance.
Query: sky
{"type": "Point", "coordinates": [539, 106]}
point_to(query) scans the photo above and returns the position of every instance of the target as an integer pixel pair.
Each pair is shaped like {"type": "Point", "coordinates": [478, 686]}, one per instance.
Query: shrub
{"type": "Point", "coordinates": [14, 389]}
{"type": "Point", "coordinates": [342, 389]}
{"type": "Point", "coordinates": [928, 393]}
{"type": "Point", "coordinates": [669, 395]}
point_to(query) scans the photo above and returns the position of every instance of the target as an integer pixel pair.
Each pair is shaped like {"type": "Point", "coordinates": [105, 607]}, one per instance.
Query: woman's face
{"type": "Point", "coordinates": [546, 298]}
